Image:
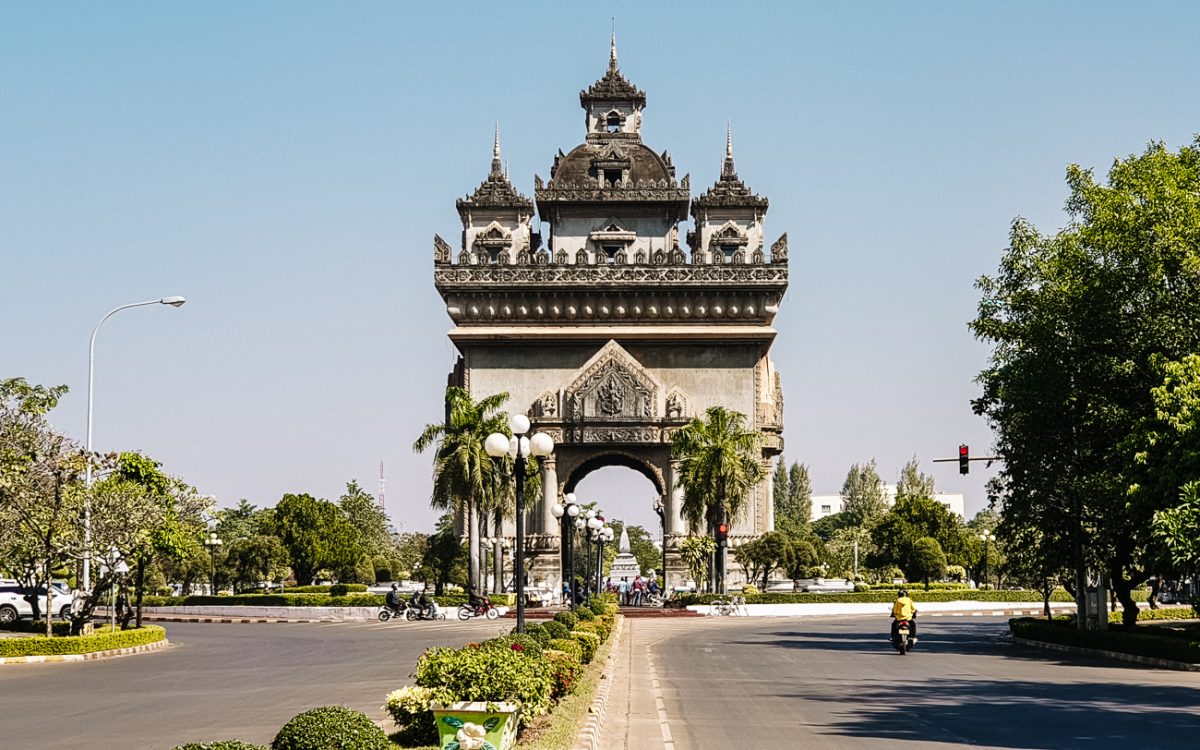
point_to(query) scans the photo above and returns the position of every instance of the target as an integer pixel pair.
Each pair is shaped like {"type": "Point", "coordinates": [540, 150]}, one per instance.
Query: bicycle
{"type": "Point", "coordinates": [734, 605]}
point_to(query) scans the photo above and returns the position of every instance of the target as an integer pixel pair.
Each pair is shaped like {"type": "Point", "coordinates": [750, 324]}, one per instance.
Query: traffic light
{"type": "Point", "coordinates": [722, 532]}
{"type": "Point", "coordinates": [964, 459]}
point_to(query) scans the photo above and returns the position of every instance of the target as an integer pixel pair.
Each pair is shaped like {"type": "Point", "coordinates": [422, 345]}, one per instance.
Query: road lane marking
{"type": "Point", "coordinates": [660, 706]}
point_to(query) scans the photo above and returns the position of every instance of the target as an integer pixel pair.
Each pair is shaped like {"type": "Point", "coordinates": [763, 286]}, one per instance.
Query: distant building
{"type": "Point", "coordinates": [828, 505]}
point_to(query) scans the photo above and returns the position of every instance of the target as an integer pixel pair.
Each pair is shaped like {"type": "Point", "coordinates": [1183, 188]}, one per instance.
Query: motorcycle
{"type": "Point", "coordinates": [431, 612]}
{"type": "Point", "coordinates": [466, 611]}
{"type": "Point", "coordinates": [386, 613]}
{"type": "Point", "coordinates": [901, 640]}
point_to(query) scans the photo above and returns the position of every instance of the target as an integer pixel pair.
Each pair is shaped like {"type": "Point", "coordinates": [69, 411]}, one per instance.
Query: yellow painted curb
{"type": "Point", "coordinates": [93, 656]}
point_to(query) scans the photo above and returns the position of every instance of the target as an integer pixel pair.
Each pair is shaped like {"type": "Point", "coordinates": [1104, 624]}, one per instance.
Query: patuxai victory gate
{"type": "Point", "coordinates": [605, 330]}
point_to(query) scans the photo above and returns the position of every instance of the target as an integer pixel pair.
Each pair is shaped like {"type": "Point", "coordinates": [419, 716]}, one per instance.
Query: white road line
{"type": "Point", "coordinates": [660, 706]}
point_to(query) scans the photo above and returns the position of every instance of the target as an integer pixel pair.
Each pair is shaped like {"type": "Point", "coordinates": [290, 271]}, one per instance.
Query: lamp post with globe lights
{"type": "Point", "coordinates": [213, 542]}
{"type": "Point", "coordinates": [519, 447]}
{"type": "Point", "coordinates": [568, 513]}
{"type": "Point", "coordinates": [661, 510]}
{"type": "Point", "coordinates": [986, 537]}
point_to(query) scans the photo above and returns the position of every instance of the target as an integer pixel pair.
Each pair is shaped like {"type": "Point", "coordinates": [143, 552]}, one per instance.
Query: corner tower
{"type": "Point", "coordinates": [611, 336]}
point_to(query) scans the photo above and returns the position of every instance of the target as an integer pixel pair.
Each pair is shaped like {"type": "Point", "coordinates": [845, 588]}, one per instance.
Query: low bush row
{"type": "Point", "coordinates": [36, 626]}
{"type": "Point", "coordinates": [338, 589]}
{"type": "Point", "coordinates": [304, 600]}
{"type": "Point", "coordinates": [940, 586]}
{"type": "Point", "coordinates": [535, 670]}
{"type": "Point", "coordinates": [1162, 613]}
{"type": "Point", "coordinates": [105, 640]}
{"type": "Point", "coordinates": [918, 594]}
{"type": "Point", "coordinates": [1140, 642]}
{"type": "Point", "coordinates": [324, 728]}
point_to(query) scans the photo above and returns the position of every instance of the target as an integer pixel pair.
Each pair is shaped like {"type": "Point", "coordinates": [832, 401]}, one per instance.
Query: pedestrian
{"type": "Point", "coordinates": [638, 589]}
{"type": "Point", "coordinates": [623, 590]}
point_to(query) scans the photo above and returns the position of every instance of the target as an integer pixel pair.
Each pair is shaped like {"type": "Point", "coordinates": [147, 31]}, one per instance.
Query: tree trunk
{"type": "Point", "coordinates": [473, 545]}
{"type": "Point", "coordinates": [141, 585]}
{"type": "Point", "coordinates": [1155, 588]}
{"type": "Point", "coordinates": [49, 610]}
{"type": "Point", "coordinates": [1122, 586]}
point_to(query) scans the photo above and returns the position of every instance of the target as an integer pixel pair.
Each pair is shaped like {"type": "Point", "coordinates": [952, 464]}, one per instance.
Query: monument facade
{"type": "Point", "coordinates": [607, 332]}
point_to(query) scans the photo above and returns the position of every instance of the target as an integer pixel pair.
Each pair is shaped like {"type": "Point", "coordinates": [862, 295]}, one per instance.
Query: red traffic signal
{"type": "Point", "coordinates": [722, 531]}
{"type": "Point", "coordinates": [964, 459]}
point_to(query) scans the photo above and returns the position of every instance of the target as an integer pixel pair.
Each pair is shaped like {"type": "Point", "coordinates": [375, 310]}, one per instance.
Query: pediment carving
{"type": "Point", "coordinates": [612, 386]}
{"type": "Point", "coordinates": [678, 404]}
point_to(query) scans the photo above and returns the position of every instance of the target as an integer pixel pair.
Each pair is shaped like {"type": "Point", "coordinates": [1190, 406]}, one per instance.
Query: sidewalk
{"type": "Point", "coordinates": [637, 718]}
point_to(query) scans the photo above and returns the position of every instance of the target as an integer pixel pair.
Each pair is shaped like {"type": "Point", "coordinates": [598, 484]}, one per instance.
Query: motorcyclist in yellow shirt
{"type": "Point", "coordinates": [904, 609]}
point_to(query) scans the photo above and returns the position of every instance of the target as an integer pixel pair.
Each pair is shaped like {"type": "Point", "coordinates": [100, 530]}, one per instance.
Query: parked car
{"type": "Point", "coordinates": [15, 604]}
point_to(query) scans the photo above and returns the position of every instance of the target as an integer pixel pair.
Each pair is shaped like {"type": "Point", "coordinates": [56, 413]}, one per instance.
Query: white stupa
{"type": "Point", "coordinates": [626, 565]}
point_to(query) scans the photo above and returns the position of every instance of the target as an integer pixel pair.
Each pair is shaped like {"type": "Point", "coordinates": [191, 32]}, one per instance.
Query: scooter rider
{"type": "Point", "coordinates": [904, 609]}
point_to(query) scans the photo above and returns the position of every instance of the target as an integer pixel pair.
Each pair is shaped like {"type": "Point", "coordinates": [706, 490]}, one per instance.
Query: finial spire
{"type": "Point", "coordinates": [612, 54]}
{"type": "Point", "coordinates": [496, 152]}
{"type": "Point", "coordinates": [728, 170]}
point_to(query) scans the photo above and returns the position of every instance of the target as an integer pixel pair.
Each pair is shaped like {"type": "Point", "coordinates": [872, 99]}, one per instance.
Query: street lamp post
{"type": "Point", "coordinates": [987, 537]}
{"type": "Point", "coordinates": [519, 447]}
{"type": "Point", "coordinates": [213, 542]}
{"type": "Point", "coordinates": [87, 481]}
{"type": "Point", "coordinates": [568, 513]}
{"type": "Point", "coordinates": [661, 510]}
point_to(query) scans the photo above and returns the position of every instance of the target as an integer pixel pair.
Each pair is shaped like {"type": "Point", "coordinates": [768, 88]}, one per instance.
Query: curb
{"type": "Point", "coordinates": [589, 735]}
{"type": "Point", "coordinates": [235, 620]}
{"type": "Point", "coordinates": [1149, 661]}
{"type": "Point", "coordinates": [92, 656]}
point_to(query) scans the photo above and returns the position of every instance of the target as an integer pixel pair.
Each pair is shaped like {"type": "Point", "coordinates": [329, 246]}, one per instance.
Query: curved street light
{"type": "Point", "coordinates": [519, 447]}
{"type": "Point", "coordinates": [174, 301]}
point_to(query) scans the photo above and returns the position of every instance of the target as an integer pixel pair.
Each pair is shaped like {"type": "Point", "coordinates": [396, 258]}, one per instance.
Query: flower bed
{"type": "Point", "coordinates": [81, 644]}
{"type": "Point", "coordinates": [535, 671]}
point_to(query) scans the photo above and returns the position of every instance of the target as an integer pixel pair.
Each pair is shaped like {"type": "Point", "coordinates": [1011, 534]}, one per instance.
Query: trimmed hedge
{"type": "Point", "coordinates": [939, 586]}
{"type": "Point", "coordinates": [350, 588]}
{"type": "Point", "coordinates": [568, 646]}
{"type": "Point", "coordinates": [589, 642]}
{"type": "Point", "coordinates": [555, 630]}
{"type": "Point", "coordinates": [1142, 642]}
{"type": "Point", "coordinates": [1162, 613]}
{"type": "Point", "coordinates": [304, 600]}
{"type": "Point", "coordinates": [882, 597]}
{"type": "Point", "coordinates": [567, 618]}
{"type": "Point", "coordinates": [81, 644]}
{"type": "Point", "coordinates": [490, 674]}
{"type": "Point", "coordinates": [331, 727]}
{"type": "Point", "coordinates": [220, 745]}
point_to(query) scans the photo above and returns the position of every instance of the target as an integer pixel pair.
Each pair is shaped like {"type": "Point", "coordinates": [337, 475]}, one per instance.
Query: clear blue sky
{"type": "Point", "coordinates": [285, 165]}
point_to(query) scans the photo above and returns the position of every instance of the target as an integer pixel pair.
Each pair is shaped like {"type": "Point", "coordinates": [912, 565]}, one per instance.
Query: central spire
{"type": "Point", "coordinates": [496, 169]}
{"type": "Point", "coordinates": [727, 169]}
{"type": "Point", "coordinates": [612, 54]}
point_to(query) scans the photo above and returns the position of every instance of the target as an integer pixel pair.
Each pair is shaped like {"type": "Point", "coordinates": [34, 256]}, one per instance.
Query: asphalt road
{"type": "Point", "coordinates": [716, 684]}
{"type": "Point", "coordinates": [217, 681]}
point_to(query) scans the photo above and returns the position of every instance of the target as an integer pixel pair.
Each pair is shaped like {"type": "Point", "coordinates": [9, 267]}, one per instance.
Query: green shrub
{"type": "Point", "coordinates": [1162, 613]}
{"type": "Point", "coordinates": [535, 630]}
{"type": "Point", "coordinates": [585, 613]}
{"type": "Point", "coordinates": [220, 745]}
{"type": "Point", "coordinates": [568, 619]}
{"type": "Point", "coordinates": [875, 596]}
{"type": "Point", "coordinates": [598, 608]}
{"type": "Point", "coordinates": [555, 629]}
{"type": "Point", "coordinates": [340, 589]}
{"type": "Point", "coordinates": [606, 597]}
{"type": "Point", "coordinates": [516, 642]}
{"type": "Point", "coordinates": [568, 646]}
{"type": "Point", "coordinates": [409, 707]}
{"type": "Point", "coordinates": [861, 587]}
{"type": "Point", "coordinates": [37, 627]}
{"type": "Point", "coordinates": [565, 672]}
{"type": "Point", "coordinates": [331, 728]}
{"type": "Point", "coordinates": [102, 640]}
{"type": "Point", "coordinates": [490, 674]}
{"type": "Point", "coordinates": [589, 642]}
{"type": "Point", "coordinates": [934, 586]}
{"type": "Point", "coordinates": [596, 626]}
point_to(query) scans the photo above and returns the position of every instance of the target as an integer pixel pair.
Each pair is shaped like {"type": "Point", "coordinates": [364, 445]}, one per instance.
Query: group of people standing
{"type": "Point", "coordinates": [635, 593]}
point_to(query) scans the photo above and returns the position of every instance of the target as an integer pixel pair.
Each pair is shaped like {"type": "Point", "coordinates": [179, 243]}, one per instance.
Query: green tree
{"type": "Point", "coordinates": [793, 498]}
{"type": "Point", "coordinates": [913, 485]}
{"type": "Point", "coordinates": [864, 502]}
{"type": "Point", "coordinates": [445, 559]}
{"type": "Point", "coordinates": [912, 518]}
{"type": "Point", "coordinates": [801, 561]}
{"type": "Point", "coordinates": [826, 526]}
{"type": "Point", "coordinates": [719, 466]}
{"type": "Point", "coordinates": [696, 551]}
{"type": "Point", "coordinates": [242, 521]}
{"type": "Point", "coordinates": [463, 473]}
{"type": "Point", "coordinates": [926, 561]}
{"type": "Point", "coordinates": [1078, 322]}
{"type": "Point", "coordinates": [316, 535]}
{"type": "Point", "coordinates": [410, 550]}
{"type": "Point", "coordinates": [1178, 529]}
{"type": "Point", "coordinates": [260, 558]}
{"type": "Point", "coordinates": [370, 520]}
{"type": "Point", "coordinates": [765, 555]}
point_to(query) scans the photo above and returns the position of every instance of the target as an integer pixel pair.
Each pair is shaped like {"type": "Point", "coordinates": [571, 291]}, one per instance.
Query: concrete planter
{"type": "Point", "coordinates": [476, 725]}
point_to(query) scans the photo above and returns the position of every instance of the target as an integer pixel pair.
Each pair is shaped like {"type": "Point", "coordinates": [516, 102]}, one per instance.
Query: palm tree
{"type": "Point", "coordinates": [462, 470]}
{"type": "Point", "coordinates": [719, 466]}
